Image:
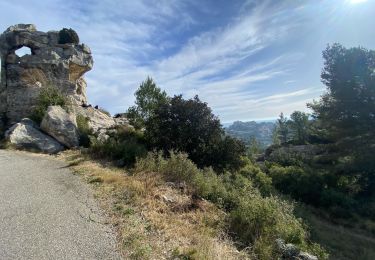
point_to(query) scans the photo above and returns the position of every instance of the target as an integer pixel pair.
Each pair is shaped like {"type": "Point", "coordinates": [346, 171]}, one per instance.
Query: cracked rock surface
{"type": "Point", "coordinates": [49, 63]}
{"type": "Point", "coordinates": [46, 212]}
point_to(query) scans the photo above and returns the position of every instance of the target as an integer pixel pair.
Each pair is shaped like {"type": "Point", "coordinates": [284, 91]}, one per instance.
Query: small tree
{"type": "Point", "coordinates": [48, 96]}
{"type": "Point", "coordinates": [299, 126]}
{"type": "Point", "coordinates": [275, 136]}
{"type": "Point", "coordinates": [189, 126]}
{"type": "Point", "coordinates": [254, 147]}
{"type": "Point", "coordinates": [282, 128]}
{"type": "Point", "coordinates": [346, 110]}
{"type": "Point", "coordinates": [148, 98]}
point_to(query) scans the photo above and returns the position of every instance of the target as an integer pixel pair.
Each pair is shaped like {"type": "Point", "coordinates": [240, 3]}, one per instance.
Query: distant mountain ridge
{"type": "Point", "coordinates": [262, 131]}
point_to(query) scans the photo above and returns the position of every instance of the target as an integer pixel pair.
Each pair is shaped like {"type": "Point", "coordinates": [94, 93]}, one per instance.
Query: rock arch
{"type": "Point", "coordinates": [24, 50]}
{"type": "Point", "coordinates": [50, 63]}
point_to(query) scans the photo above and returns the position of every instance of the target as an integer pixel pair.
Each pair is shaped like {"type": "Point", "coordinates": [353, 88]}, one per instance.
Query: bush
{"type": "Point", "coordinates": [261, 221]}
{"type": "Point", "coordinates": [48, 96]}
{"type": "Point", "coordinates": [124, 145]}
{"type": "Point", "coordinates": [261, 180]}
{"type": "Point", "coordinates": [301, 183]}
{"type": "Point", "coordinates": [68, 36]}
{"type": "Point", "coordinates": [189, 126]}
{"type": "Point", "coordinates": [85, 130]}
{"type": "Point", "coordinates": [254, 220]}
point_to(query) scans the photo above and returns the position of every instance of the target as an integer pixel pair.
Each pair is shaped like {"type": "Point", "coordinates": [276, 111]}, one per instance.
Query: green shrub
{"type": "Point", "coordinates": [285, 157]}
{"type": "Point", "coordinates": [124, 145]}
{"type": "Point", "coordinates": [85, 130]}
{"type": "Point", "coordinates": [68, 36]}
{"type": "Point", "coordinates": [256, 221]}
{"type": "Point", "coordinates": [190, 126]}
{"type": "Point", "coordinates": [303, 184]}
{"type": "Point", "coordinates": [261, 221]}
{"type": "Point", "coordinates": [260, 180]}
{"type": "Point", "coordinates": [48, 96]}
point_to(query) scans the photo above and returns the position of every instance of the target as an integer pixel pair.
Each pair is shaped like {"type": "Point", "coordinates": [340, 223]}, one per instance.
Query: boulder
{"type": "Point", "coordinates": [97, 120]}
{"type": "Point", "coordinates": [61, 125]}
{"type": "Point", "coordinates": [25, 135]}
{"type": "Point", "coordinates": [290, 251]}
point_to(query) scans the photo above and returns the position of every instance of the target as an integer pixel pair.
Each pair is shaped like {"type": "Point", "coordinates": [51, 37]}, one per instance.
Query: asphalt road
{"type": "Point", "coordinates": [48, 213]}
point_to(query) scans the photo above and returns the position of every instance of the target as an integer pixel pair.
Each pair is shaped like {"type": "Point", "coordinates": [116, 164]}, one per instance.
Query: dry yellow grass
{"type": "Point", "coordinates": [156, 220]}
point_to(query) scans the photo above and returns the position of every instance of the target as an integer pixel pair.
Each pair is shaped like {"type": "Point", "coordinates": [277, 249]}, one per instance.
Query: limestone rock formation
{"type": "Point", "coordinates": [56, 60]}
{"type": "Point", "coordinates": [50, 64]}
{"type": "Point", "coordinates": [25, 135]}
{"type": "Point", "coordinates": [97, 120]}
{"type": "Point", "coordinates": [61, 125]}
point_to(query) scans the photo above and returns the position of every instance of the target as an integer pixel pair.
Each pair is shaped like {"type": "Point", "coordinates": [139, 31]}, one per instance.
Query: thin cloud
{"type": "Point", "coordinates": [252, 62]}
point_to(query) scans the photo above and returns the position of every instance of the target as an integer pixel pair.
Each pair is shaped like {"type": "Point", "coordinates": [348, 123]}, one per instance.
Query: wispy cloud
{"type": "Point", "coordinates": [246, 59]}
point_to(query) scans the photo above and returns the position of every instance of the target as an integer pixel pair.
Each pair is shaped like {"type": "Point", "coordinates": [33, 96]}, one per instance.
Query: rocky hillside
{"type": "Point", "coordinates": [262, 131]}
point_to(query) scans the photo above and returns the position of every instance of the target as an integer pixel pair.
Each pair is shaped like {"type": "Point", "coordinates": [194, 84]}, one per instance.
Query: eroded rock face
{"type": "Point", "coordinates": [25, 135]}
{"type": "Point", "coordinates": [50, 64]}
{"type": "Point", "coordinates": [97, 120]}
{"type": "Point", "coordinates": [61, 125]}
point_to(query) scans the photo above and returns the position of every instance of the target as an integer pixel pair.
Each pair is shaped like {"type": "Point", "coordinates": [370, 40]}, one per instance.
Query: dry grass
{"type": "Point", "coordinates": [155, 219]}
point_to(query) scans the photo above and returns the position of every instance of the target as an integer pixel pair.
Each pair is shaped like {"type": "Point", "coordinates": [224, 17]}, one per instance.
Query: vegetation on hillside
{"type": "Point", "coordinates": [340, 176]}
{"type": "Point", "coordinates": [189, 147]}
{"type": "Point", "coordinates": [323, 159]}
{"type": "Point", "coordinates": [48, 96]}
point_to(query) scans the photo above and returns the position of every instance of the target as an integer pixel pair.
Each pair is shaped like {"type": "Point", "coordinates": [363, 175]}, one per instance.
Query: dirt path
{"type": "Point", "coordinates": [48, 213]}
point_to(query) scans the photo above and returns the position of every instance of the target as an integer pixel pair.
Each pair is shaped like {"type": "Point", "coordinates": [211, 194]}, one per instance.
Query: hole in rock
{"type": "Point", "coordinates": [23, 51]}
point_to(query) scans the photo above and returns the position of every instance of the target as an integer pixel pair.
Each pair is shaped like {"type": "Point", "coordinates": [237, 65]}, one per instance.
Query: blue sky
{"type": "Point", "coordinates": [247, 59]}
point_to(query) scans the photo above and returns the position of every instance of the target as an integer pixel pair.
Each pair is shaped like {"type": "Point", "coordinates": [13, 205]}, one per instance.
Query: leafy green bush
{"type": "Point", "coordinates": [260, 180]}
{"type": "Point", "coordinates": [261, 221]}
{"type": "Point", "coordinates": [48, 96]}
{"type": "Point", "coordinates": [254, 220]}
{"type": "Point", "coordinates": [84, 129]}
{"type": "Point", "coordinates": [301, 183]}
{"type": "Point", "coordinates": [190, 126]}
{"type": "Point", "coordinates": [123, 144]}
{"type": "Point", "coordinates": [68, 36]}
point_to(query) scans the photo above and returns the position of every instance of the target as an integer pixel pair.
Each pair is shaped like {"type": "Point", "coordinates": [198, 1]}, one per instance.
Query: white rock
{"type": "Point", "coordinates": [24, 135]}
{"type": "Point", "coordinates": [61, 125]}
{"type": "Point", "coordinates": [97, 120]}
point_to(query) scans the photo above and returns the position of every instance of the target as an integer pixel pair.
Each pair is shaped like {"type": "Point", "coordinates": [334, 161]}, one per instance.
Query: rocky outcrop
{"type": "Point", "coordinates": [50, 64]}
{"type": "Point", "coordinates": [290, 251]}
{"type": "Point", "coordinates": [26, 135]}
{"type": "Point", "coordinates": [56, 60]}
{"type": "Point", "coordinates": [61, 125]}
{"type": "Point", "coordinates": [97, 120]}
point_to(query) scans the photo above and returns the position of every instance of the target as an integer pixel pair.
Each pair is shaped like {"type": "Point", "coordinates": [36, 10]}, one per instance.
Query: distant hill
{"type": "Point", "coordinates": [262, 131]}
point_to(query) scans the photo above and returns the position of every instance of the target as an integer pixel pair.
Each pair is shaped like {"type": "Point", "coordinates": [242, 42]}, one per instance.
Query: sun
{"type": "Point", "coordinates": [357, 1]}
